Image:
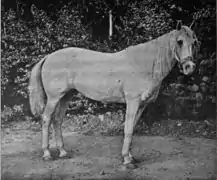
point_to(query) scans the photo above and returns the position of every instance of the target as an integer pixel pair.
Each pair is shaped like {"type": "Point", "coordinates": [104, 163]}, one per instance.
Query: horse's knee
{"type": "Point", "coordinates": [45, 122]}
{"type": "Point", "coordinates": [57, 125]}
{"type": "Point", "coordinates": [130, 155]}
{"type": "Point", "coordinates": [57, 129]}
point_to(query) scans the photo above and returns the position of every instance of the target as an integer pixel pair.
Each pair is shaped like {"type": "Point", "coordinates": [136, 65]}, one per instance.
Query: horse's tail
{"type": "Point", "coordinates": [37, 96]}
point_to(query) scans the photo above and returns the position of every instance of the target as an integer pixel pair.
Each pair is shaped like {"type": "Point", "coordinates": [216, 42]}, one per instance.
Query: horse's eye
{"type": "Point", "coordinates": [180, 42]}
{"type": "Point", "coordinates": [195, 43]}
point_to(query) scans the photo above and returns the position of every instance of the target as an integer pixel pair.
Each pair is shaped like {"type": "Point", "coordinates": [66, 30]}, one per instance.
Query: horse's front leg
{"type": "Point", "coordinates": [131, 117]}
{"type": "Point", "coordinates": [138, 115]}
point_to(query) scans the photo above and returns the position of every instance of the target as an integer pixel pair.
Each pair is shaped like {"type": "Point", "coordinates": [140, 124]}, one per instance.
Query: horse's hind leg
{"type": "Point", "coordinates": [57, 125]}
{"type": "Point", "coordinates": [46, 118]}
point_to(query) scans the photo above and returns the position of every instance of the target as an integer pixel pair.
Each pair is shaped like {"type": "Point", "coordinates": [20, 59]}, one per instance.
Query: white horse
{"type": "Point", "coordinates": [132, 76]}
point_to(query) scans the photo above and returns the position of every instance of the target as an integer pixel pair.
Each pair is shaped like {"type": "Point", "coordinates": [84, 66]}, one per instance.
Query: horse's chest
{"type": "Point", "coordinates": [151, 92]}
{"type": "Point", "coordinates": [145, 88]}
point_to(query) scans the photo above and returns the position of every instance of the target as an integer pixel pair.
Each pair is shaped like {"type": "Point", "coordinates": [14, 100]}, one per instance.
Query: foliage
{"type": "Point", "coordinates": [12, 114]}
{"type": "Point", "coordinates": [24, 44]}
{"type": "Point", "coordinates": [139, 23]}
{"type": "Point", "coordinates": [112, 126]}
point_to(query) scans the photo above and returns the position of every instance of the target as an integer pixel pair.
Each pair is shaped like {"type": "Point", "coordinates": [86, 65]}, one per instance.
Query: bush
{"type": "Point", "coordinates": [9, 114]}
{"type": "Point", "coordinates": [24, 44]}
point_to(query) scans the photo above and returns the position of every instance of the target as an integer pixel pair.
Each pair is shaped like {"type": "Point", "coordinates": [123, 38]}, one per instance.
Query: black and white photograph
{"type": "Point", "coordinates": [108, 89]}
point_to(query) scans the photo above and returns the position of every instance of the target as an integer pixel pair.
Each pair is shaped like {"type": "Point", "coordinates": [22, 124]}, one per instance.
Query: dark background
{"type": "Point", "coordinates": [33, 28]}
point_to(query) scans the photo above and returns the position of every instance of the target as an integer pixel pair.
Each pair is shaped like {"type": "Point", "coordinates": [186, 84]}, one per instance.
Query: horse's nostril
{"type": "Point", "coordinates": [187, 66]}
{"type": "Point", "coordinates": [193, 66]}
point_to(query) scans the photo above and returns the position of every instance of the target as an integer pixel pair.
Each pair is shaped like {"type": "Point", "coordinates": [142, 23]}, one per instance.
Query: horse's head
{"type": "Point", "coordinates": [186, 46]}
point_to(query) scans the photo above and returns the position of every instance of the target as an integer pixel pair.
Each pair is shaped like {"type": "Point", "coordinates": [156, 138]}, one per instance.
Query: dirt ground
{"type": "Point", "coordinates": [98, 157]}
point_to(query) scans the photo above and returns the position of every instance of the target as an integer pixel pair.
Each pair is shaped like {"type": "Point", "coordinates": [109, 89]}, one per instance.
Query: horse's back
{"type": "Point", "coordinates": [81, 54]}
{"type": "Point", "coordinates": [80, 58]}
{"type": "Point", "coordinates": [97, 75]}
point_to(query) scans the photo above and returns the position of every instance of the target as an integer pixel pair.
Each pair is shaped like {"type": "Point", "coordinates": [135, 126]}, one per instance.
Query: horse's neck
{"type": "Point", "coordinates": [162, 59]}
{"type": "Point", "coordinates": [169, 61]}
{"type": "Point", "coordinates": [163, 66]}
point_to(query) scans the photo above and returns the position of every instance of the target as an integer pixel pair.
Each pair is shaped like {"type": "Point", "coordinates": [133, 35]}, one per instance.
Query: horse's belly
{"type": "Point", "coordinates": [100, 87]}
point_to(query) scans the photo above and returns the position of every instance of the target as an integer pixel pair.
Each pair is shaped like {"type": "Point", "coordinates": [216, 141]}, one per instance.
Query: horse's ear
{"type": "Point", "coordinates": [192, 26]}
{"type": "Point", "coordinates": [179, 25]}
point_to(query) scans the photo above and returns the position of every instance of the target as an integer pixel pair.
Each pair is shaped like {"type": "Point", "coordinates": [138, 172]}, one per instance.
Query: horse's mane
{"type": "Point", "coordinates": [161, 41]}
{"type": "Point", "coordinates": [165, 54]}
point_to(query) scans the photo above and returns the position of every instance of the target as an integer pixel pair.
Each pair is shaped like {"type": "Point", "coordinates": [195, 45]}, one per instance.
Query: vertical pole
{"type": "Point", "coordinates": [17, 9]}
{"type": "Point", "coordinates": [110, 24]}
{"type": "Point", "coordinates": [110, 28]}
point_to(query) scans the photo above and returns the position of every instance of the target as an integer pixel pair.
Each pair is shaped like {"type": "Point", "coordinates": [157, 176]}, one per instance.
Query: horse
{"type": "Point", "coordinates": [132, 76]}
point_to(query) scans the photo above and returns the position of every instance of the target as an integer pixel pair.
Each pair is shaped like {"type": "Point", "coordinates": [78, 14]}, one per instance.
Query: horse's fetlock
{"type": "Point", "coordinates": [124, 153]}
{"type": "Point", "coordinates": [127, 159]}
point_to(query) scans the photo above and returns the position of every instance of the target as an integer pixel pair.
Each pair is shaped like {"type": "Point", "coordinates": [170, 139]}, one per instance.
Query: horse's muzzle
{"type": "Point", "coordinates": [188, 66]}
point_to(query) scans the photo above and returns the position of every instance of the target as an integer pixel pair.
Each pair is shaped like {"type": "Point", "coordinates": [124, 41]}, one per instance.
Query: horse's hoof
{"type": "Point", "coordinates": [63, 155]}
{"type": "Point", "coordinates": [47, 158]}
{"type": "Point", "coordinates": [129, 166]}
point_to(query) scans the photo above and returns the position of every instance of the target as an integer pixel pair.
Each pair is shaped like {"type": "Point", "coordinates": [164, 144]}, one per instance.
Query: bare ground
{"type": "Point", "coordinates": [98, 157]}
